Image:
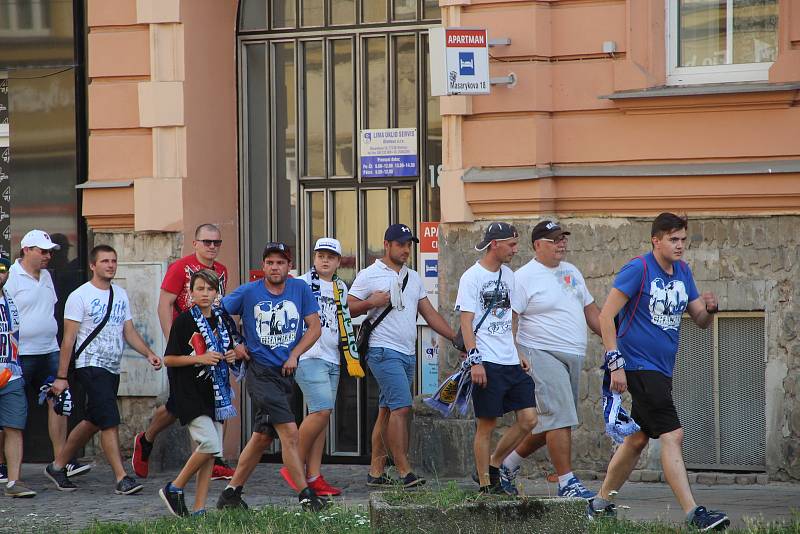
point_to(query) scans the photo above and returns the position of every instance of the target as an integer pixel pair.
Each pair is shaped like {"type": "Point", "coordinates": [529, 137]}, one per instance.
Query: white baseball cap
{"type": "Point", "coordinates": [40, 239]}
{"type": "Point", "coordinates": [330, 244]}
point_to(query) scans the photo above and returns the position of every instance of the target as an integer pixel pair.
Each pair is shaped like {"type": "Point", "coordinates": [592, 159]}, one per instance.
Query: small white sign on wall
{"type": "Point", "coordinates": [459, 60]}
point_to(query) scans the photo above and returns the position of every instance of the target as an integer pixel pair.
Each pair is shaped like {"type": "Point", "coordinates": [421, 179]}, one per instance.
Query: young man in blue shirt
{"type": "Point", "coordinates": [273, 311]}
{"type": "Point", "coordinates": [649, 296]}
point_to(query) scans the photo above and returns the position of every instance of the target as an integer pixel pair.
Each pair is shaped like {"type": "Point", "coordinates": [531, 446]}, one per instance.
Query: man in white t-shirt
{"type": "Point", "coordinates": [31, 287]}
{"type": "Point", "coordinates": [97, 365]}
{"type": "Point", "coordinates": [554, 307]}
{"type": "Point", "coordinates": [392, 347]}
{"type": "Point", "coordinates": [499, 372]}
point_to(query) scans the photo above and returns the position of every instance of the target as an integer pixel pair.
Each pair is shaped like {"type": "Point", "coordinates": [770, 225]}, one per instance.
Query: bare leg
{"type": "Point", "coordinates": [109, 439]}
{"type": "Point", "coordinates": [559, 445]}
{"type": "Point", "coordinates": [623, 462]}
{"type": "Point", "coordinates": [483, 436]}
{"type": "Point", "coordinates": [13, 451]}
{"type": "Point", "coordinates": [531, 444]}
{"type": "Point", "coordinates": [397, 436]}
{"type": "Point", "coordinates": [675, 469]}
{"type": "Point", "coordinates": [193, 465]}
{"type": "Point", "coordinates": [57, 428]}
{"type": "Point", "coordinates": [526, 420]}
{"type": "Point", "coordinates": [249, 458]}
{"type": "Point", "coordinates": [203, 481]}
{"type": "Point", "coordinates": [379, 453]}
{"type": "Point", "coordinates": [289, 436]}
{"type": "Point", "coordinates": [76, 439]}
{"type": "Point", "coordinates": [2, 447]}
{"type": "Point", "coordinates": [160, 421]}
{"type": "Point", "coordinates": [312, 431]}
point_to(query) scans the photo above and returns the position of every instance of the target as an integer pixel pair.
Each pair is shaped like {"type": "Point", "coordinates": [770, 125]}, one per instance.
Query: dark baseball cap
{"type": "Point", "coordinates": [277, 246]}
{"type": "Point", "coordinates": [497, 231]}
{"type": "Point", "coordinates": [400, 233]}
{"type": "Point", "coordinates": [547, 230]}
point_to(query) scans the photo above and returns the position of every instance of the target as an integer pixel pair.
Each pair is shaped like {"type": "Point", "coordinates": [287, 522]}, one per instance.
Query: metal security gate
{"type": "Point", "coordinates": [719, 391]}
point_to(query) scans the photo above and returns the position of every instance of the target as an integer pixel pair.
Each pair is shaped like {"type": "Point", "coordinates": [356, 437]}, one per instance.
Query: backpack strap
{"type": "Point", "coordinates": [632, 313]}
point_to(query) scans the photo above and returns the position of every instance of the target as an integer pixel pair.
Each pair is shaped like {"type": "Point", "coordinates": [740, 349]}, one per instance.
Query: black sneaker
{"type": "Point", "coordinates": [492, 489]}
{"type": "Point", "coordinates": [231, 498]}
{"type": "Point", "coordinates": [311, 501]}
{"type": "Point", "coordinates": [128, 486]}
{"type": "Point", "coordinates": [3, 473]}
{"type": "Point", "coordinates": [75, 468]}
{"type": "Point", "coordinates": [610, 510]}
{"type": "Point", "coordinates": [59, 478]}
{"type": "Point", "coordinates": [411, 480]}
{"type": "Point", "coordinates": [379, 482]}
{"type": "Point", "coordinates": [703, 519]}
{"type": "Point", "coordinates": [174, 501]}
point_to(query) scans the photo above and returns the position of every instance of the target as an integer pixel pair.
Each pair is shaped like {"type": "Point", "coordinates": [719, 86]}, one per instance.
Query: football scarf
{"type": "Point", "coordinates": [9, 339]}
{"type": "Point", "coordinates": [456, 391]}
{"type": "Point", "coordinates": [347, 338]}
{"type": "Point", "coordinates": [617, 422]}
{"type": "Point", "coordinates": [219, 342]}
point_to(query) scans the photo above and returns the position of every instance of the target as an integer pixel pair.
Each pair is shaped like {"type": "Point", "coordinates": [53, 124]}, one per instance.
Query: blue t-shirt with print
{"type": "Point", "coordinates": [650, 342]}
{"type": "Point", "coordinates": [272, 324]}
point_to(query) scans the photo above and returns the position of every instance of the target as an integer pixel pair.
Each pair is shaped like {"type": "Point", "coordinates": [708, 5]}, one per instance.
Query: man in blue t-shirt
{"type": "Point", "coordinates": [649, 296]}
{"type": "Point", "coordinates": [280, 321]}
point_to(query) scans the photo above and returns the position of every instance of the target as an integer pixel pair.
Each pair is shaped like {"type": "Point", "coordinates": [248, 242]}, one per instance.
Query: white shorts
{"type": "Point", "coordinates": [207, 433]}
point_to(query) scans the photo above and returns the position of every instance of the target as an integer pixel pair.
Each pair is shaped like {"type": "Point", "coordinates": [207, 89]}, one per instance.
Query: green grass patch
{"type": "Point", "coordinates": [612, 526]}
{"type": "Point", "coordinates": [440, 497]}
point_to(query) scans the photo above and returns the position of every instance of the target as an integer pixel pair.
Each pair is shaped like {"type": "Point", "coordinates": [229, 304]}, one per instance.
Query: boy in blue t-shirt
{"type": "Point", "coordinates": [649, 296]}
{"type": "Point", "coordinates": [280, 321]}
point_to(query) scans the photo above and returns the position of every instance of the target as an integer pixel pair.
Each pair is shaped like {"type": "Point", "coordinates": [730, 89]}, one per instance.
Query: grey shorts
{"type": "Point", "coordinates": [556, 375]}
{"type": "Point", "coordinates": [271, 393]}
{"type": "Point", "coordinates": [13, 405]}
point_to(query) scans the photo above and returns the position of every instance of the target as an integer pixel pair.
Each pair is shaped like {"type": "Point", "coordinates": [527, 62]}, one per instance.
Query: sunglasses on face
{"type": "Point", "coordinates": [209, 242]}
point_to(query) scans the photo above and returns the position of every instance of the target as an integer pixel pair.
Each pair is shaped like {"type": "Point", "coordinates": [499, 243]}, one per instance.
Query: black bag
{"type": "Point", "coordinates": [366, 328]}
{"type": "Point", "coordinates": [99, 327]}
{"type": "Point", "coordinates": [458, 339]}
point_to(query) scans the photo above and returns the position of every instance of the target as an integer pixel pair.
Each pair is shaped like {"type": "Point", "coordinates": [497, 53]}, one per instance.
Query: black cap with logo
{"type": "Point", "coordinates": [547, 230]}
{"type": "Point", "coordinates": [497, 231]}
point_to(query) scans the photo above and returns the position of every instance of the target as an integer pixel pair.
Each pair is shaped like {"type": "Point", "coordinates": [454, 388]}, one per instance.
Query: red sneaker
{"type": "Point", "coordinates": [222, 471]}
{"type": "Point", "coordinates": [288, 478]}
{"type": "Point", "coordinates": [141, 455]}
{"type": "Point", "coordinates": [323, 489]}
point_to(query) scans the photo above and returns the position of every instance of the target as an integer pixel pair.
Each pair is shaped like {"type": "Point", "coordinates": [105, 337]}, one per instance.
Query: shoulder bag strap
{"type": "Point", "coordinates": [491, 303]}
{"type": "Point", "coordinates": [389, 308]}
{"type": "Point", "coordinates": [636, 304]}
{"type": "Point", "coordinates": [100, 326]}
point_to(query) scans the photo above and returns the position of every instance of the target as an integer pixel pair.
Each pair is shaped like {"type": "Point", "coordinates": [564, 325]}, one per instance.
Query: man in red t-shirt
{"type": "Point", "coordinates": [176, 298]}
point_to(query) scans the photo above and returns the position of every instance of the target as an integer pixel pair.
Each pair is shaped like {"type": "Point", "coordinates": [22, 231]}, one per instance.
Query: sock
{"type": "Point", "coordinates": [230, 487]}
{"type": "Point", "coordinates": [599, 503]}
{"type": "Point", "coordinates": [690, 515]}
{"type": "Point", "coordinates": [309, 480]}
{"type": "Point", "coordinates": [218, 461]}
{"type": "Point", "coordinates": [172, 488]}
{"type": "Point", "coordinates": [563, 479]}
{"type": "Point", "coordinates": [145, 441]}
{"type": "Point", "coordinates": [11, 483]}
{"type": "Point", "coordinates": [494, 475]}
{"type": "Point", "coordinates": [513, 460]}
{"type": "Point", "coordinates": [57, 467]}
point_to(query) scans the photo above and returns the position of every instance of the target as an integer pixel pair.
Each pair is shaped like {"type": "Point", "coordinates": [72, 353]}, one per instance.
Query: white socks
{"type": "Point", "coordinates": [513, 460]}
{"type": "Point", "coordinates": [563, 479]}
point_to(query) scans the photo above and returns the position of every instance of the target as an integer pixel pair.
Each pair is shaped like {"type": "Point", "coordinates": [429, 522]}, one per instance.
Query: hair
{"type": "Point", "coordinates": [667, 223]}
{"type": "Point", "coordinates": [208, 276]}
{"type": "Point", "coordinates": [97, 250]}
{"type": "Point", "coordinates": [206, 226]}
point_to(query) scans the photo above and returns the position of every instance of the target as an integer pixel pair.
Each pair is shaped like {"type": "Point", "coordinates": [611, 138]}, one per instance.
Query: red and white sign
{"type": "Point", "coordinates": [465, 38]}
{"type": "Point", "coordinates": [429, 260]}
{"type": "Point", "coordinates": [459, 60]}
{"type": "Point", "coordinates": [429, 237]}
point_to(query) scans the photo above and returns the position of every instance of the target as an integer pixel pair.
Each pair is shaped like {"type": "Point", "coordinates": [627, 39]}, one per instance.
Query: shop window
{"type": "Point", "coordinates": [716, 41]}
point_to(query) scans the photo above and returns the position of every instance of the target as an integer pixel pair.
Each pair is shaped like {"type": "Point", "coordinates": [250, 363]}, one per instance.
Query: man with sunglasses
{"type": "Point", "coordinates": [175, 298]}
{"type": "Point", "coordinates": [554, 307]}
{"type": "Point", "coordinates": [31, 287]}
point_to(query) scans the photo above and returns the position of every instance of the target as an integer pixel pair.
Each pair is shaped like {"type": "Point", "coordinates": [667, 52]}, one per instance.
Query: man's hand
{"type": "Point", "coordinates": [379, 299]}
{"type": "Point", "coordinates": [230, 356]}
{"type": "Point", "coordinates": [619, 382]}
{"type": "Point", "coordinates": [523, 362]}
{"type": "Point", "coordinates": [479, 375]}
{"type": "Point", "coordinates": [58, 386]}
{"type": "Point", "coordinates": [209, 358]}
{"type": "Point", "coordinates": [290, 366]}
{"type": "Point", "coordinates": [155, 361]}
{"type": "Point", "coordinates": [710, 300]}
{"type": "Point", "coordinates": [241, 352]}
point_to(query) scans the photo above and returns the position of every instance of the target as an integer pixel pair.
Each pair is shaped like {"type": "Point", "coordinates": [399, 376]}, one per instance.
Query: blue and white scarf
{"type": "Point", "coordinates": [616, 419]}
{"type": "Point", "coordinates": [456, 391]}
{"type": "Point", "coordinates": [218, 342]}
{"type": "Point", "coordinates": [9, 348]}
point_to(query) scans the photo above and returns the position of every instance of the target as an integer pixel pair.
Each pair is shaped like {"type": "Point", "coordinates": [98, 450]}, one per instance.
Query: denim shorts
{"type": "Point", "coordinates": [13, 405]}
{"type": "Point", "coordinates": [37, 367]}
{"type": "Point", "coordinates": [318, 380]}
{"type": "Point", "coordinates": [394, 372]}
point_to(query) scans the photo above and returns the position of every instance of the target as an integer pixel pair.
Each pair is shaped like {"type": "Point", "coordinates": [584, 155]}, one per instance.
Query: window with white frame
{"type": "Point", "coordinates": [716, 41]}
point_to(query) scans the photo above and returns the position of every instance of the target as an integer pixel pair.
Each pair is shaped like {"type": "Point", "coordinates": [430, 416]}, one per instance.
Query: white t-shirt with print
{"type": "Point", "coordinates": [36, 301]}
{"type": "Point", "coordinates": [327, 346]}
{"type": "Point", "coordinates": [87, 306]}
{"type": "Point", "coordinates": [476, 290]}
{"type": "Point", "coordinates": [550, 303]}
{"type": "Point", "coordinates": [398, 331]}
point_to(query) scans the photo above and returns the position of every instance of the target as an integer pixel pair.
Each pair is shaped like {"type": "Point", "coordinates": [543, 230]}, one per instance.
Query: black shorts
{"type": "Point", "coordinates": [170, 405]}
{"type": "Point", "coordinates": [508, 388]}
{"type": "Point", "coordinates": [653, 408]}
{"type": "Point", "coordinates": [101, 388]}
{"type": "Point", "coordinates": [271, 393]}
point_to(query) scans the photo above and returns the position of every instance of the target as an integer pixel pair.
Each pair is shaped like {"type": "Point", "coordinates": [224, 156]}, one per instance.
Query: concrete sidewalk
{"type": "Point", "coordinates": [53, 510]}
